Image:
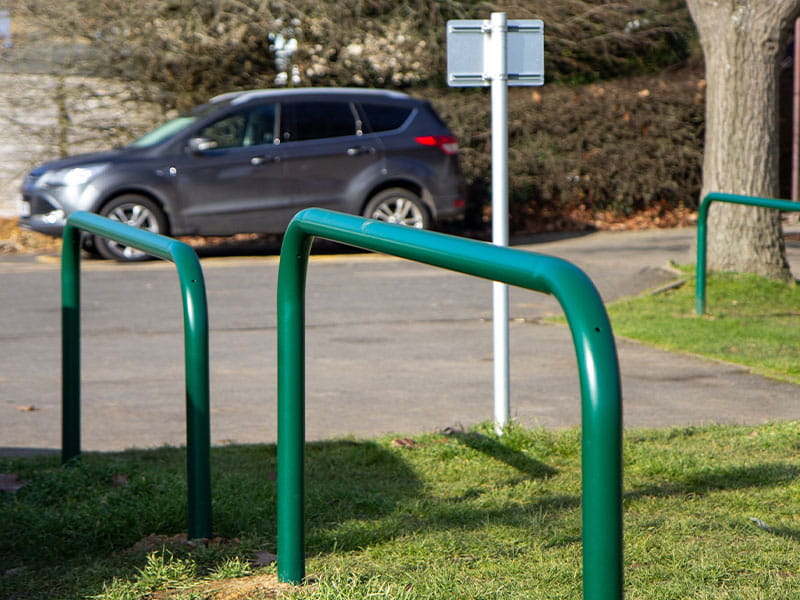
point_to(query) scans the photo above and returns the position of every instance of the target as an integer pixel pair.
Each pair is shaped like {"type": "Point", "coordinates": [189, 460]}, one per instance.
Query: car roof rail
{"type": "Point", "coordinates": [243, 96]}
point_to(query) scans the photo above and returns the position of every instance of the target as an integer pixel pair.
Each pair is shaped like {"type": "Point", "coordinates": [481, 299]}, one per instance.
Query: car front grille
{"type": "Point", "coordinates": [39, 205]}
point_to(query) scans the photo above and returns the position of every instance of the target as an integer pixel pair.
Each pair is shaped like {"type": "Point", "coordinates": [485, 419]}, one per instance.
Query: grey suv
{"type": "Point", "coordinates": [246, 162]}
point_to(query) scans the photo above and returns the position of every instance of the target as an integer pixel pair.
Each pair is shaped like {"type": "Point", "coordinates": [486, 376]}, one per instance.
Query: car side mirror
{"type": "Point", "coordinates": [199, 145]}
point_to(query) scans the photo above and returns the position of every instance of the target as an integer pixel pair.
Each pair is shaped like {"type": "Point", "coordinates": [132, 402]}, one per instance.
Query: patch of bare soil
{"type": "Point", "coordinates": [254, 587]}
{"type": "Point", "coordinates": [14, 240]}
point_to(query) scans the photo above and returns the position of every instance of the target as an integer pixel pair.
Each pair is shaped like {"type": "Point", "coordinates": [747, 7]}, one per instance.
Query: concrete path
{"type": "Point", "coordinates": [392, 347]}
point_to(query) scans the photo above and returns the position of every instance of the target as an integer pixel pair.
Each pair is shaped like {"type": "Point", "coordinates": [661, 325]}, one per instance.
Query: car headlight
{"type": "Point", "coordinates": [71, 176]}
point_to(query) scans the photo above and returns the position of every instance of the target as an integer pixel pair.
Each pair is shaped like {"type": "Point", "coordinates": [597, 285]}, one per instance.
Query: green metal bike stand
{"type": "Point", "coordinates": [195, 322]}
{"type": "Point", "coordinates": [702, 233]}
{"type": "Point", "coordinates": [601, 400]}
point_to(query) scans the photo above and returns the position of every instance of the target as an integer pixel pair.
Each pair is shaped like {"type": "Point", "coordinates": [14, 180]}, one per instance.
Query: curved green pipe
{"type": "Point", "coordinates": [702, 233]}
{"type": "Point", "coordinates": [601, 396]}
{"type": "Point", "coordinates": [195, 324]}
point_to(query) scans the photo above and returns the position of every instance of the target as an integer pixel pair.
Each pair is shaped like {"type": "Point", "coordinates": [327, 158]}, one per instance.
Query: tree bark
{"type": "Point", "coordinates": [742, 41]}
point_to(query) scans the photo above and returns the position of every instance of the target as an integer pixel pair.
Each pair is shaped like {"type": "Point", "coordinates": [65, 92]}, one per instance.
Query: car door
{"type": "Point", "coordinates": [327, 159]}
{"type": "Point", "coordinates": [231, 178]}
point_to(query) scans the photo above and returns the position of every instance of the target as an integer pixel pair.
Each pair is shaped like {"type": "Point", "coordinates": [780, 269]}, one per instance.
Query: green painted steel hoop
{"type": "Point", "coordinates": [195, 321]}
{"type": "Point", "coordinates": [601, 398]}
{"type": "Point", "coordinates": [702, 233]}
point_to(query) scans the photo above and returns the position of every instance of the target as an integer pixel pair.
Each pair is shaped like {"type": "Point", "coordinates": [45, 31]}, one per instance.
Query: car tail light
{"type": "Point", "coordinates": [446, 143]}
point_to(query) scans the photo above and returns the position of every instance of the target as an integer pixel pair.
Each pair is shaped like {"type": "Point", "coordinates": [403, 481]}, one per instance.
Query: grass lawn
{"type": "Point", "coordinates": [710, 512]}
{"type": "Point", "coordinates": [749, 320]}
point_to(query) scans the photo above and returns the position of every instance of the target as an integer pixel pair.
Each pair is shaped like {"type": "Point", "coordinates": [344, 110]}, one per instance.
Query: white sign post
{"type": "Point", "coordinates": [499, 53]}
{"type": "Point", "coordinates": [5, 29]}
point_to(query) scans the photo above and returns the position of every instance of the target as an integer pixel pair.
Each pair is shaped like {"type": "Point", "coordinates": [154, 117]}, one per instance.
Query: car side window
{"type": "Point", "coordinates": [228, 132]}
{"type": "Point", "coordinates": [261, 126]}
{"type": "Point", "coordinates": [316, 120]}
{"type": "Point", "coordinates": [385, 117]}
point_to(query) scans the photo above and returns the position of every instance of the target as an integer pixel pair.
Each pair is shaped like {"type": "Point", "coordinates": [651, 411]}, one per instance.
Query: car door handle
{"type": "Point", "coordinates": [359, 150]}
{"type": "Point", "coordinates": [262, 160]}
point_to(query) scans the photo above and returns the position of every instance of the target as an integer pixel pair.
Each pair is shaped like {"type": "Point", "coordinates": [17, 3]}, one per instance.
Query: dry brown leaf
{"type": "Point", "coordinates": [10, 482]}
{"type": "Point", "coordinates": [452, 430]}
{"type": "Point", "coordinates": [597, 90]}
{"type": "Point", "coordinates": [262, 558]}
{"type": "Point", "coordinates": [404, 443]}
{"type": "Point", "coordinates": [119, 480]}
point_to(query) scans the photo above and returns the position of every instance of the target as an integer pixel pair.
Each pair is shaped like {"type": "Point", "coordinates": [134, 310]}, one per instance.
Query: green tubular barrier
{"type": "Point", "coordinates": [702, 233]}
{"type": "Point", "coordinates": [594, 346]}
{"type": "Point", "coordinates": [195, 323]}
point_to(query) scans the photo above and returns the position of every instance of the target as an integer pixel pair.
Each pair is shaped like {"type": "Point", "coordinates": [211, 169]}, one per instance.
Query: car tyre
{"type": "Point", "coordinates": [398, 205]}
{"type": "Point", "coordinates": [89, 245]}
{"type": "Point", "coordinates": [136, 211]}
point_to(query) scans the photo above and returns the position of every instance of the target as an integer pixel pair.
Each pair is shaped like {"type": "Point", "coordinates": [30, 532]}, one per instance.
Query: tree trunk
{"type": "Point", "coordinates": [742, 41]}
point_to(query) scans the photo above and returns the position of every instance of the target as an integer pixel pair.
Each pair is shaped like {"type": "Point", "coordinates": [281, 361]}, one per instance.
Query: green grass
{"type": "Point", "coordinates": [749, 320]}
{"type": "Point", "coordinates": [467, 516]}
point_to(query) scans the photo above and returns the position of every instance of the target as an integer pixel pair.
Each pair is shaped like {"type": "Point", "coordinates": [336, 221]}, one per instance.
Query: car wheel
{"type": "Point", "coordinates": [136, 211]}
{"type": "Point", "coordinates": [89, 245]}
{"type": "Point", "coordinates": [398, 205]}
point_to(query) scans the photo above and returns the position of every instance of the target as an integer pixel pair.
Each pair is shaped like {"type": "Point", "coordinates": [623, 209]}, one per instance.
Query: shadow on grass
{"type": "Point", "coordinates": [352, 490]}
{"type": "Point", "coordinates": [381, 511]}
{"type": "Point", "coordinates": [465, 511]}
{"type": "Point", "coordinates": [785, 532]}
{"type": "Point", "coordinates": [388, 501]}
{"type": "Point", "coordinates": [95, 516]}
{"type": "Point", "coordinates": [513, 458]}
{"type": "Point", "coordinates": [358, 494]}
{"type": "Point", "coordinates": [764, 475]}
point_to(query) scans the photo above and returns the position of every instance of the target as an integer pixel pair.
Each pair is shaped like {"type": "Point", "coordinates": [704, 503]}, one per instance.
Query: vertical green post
{"type": "Point", "coordinates": [70, 345]}
{"type": "Point", "coordinates": [601, 394]}
{"type": "Point", "coordinates": [195, 321]}
{"type": "Point", "coordinates": [291, 405]}
{"type": "Point", "coordinates": [702, 232]}
{"type": "Point", "coordinates": [700, 268]}
{"type": "Point", "coordinates": [198, 418]}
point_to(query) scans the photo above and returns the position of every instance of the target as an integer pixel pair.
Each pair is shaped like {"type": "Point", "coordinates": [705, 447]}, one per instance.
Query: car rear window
{"type": "Point", "coordinates": [385, 117]}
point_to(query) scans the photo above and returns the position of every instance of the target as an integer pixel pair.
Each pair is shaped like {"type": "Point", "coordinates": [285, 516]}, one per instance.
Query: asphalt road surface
{"type": "Point", "coordinates": [392, 346]}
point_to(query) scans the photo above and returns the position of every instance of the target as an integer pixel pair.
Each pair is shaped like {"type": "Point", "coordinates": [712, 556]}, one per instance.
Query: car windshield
{"type": "Point", "coordinates": [174, 126]}
{"type": "Point", "coordinates": [164, 132]}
